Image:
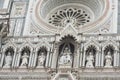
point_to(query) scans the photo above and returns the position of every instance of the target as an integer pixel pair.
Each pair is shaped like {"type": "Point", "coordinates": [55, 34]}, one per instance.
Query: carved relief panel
{"type": "Point", "coordinates": [18, 9]}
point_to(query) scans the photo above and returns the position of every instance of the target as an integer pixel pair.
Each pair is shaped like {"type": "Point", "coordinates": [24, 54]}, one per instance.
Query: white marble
{"type": "Point", "coordinates": [25, 59]}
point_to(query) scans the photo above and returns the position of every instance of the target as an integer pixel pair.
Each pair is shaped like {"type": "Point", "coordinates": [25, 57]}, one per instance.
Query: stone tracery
{"type": "Point", "coordinates": [77, 17]}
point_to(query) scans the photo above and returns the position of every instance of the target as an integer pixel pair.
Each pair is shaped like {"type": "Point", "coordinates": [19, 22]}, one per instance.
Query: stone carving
{"type": "Point", "coordinates": [25, 58]}
{"type": "Point", "coordinates": [108, 59]}
{"type": "Point", "coordinates": [8, 60]}
{"type": "Point", "coordinates": [90, 60]}
{"type": "Point", "coordinates": [41, 59]}
{"type": "Point", "coordinates": [66, 57]}
{"type": "Point", "coordinates": [57, 18]}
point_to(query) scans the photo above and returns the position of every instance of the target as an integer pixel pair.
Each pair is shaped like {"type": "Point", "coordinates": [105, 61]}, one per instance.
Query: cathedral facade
{"type": "Point", "coordinates": [59, 40]}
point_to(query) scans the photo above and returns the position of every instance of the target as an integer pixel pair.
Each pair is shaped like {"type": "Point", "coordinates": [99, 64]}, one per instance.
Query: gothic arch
{"type": "Point", "coordinates": [9, 44]}
{"type": "Point", "coordinates": [23, 50]}
{"type": "Point", "coordinates": [67, 44]}
{"type": "Point", "coordinates": [110, 43]}
{"type": "Point", "coordinates": [9, 47]}
{"type": "Point", "coordinates": [40, 45]}
{"type": "Point", "coordinates": [66, 37]}
{"type": "Point", "coordinates": [109, 50]}
{"type": "Point", "coordinates": [39, 52]}
{"type": "Point", "coordinates": [26, 49]}
{"type": "Point", "coordinates": [93, 43]}
{"type": "Point", "coordinates": [42, 49]}
{"type": "Point", "coordinates": [9, 51]}
{"type": "Point", "coordinates": [67, 40]}
{"type": "Point", "coordinates": [91, 49]}
{"type": "Point", "coordinates": [109, 47]}
{"type": "Point", "coordinates": [26, 46]}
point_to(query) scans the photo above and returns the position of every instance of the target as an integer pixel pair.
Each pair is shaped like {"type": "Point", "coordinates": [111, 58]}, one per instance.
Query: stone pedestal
{"type": "Point", "coordinates": [64, 66]}
{"type": "Point", "coordinates": [6, 66]}
{"type": "Point", "coordinates": [40, 67]}
{"type": "Point", "coordinates": [23, 67]}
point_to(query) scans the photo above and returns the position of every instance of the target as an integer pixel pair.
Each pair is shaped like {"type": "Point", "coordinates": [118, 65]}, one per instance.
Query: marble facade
{"type": "Point", "coordinates": [59, 40]}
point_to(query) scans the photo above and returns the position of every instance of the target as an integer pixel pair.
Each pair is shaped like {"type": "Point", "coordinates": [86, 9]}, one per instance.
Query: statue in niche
{"type": "Point", "coordinates": [108, 59]}
{"type": "Point", "coordinates": [41, 59]}
{"type": "Point", "coordinates": [90, 60]}
{"type": "Point", "coordinates": [66, 57]}
{"type": "Point", "coordinates": [25, 58]}
{"type": "Point", "coordinates": [8, 60]}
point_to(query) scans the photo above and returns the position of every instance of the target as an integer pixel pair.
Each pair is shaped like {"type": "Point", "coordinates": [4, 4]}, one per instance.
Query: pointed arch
{"type": "Point", "coordinates": [40, 45]}
{"type": "Point", "coordinates": [91, 43]}
{"type": "Point", "coordinates": [110, 43]}
{"type": "Point", "coordinates": [66, 47]}
{"type": "Point", "coordinates": [7, 57]}
{"type": "Point", "coordinates": [9, 45]}
{"type": "Point", "coordinates": [26, 46]}
{"type": "Point", "coordinates": [26, 49]}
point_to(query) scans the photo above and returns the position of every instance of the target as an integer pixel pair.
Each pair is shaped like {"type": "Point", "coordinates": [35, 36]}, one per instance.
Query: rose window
{"type": "Point", "coordinates": [85, 16]}
{"type": "Point", "coordinates": [76, 17]}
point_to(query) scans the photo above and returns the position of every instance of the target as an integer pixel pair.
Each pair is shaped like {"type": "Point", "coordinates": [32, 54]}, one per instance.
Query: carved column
{"type": "Point", "coordinates": [80, 59]}
{"type": "Point", "coordinates": [115, 59]}
{"type": "Point", "coordinates": [76, 57]}
{"type": "Point", "coordinates": [97, 59]}
{"type": "Point", "coordinates": [54, 57]}
{"type": "Point", "coordinates": [30, 58]}
{"type": "Point", "coordinates": [47, 58]}
{"type": "Point", "coordinates": [99, 54]}
{"type": "Point", "coordinates": [18, 59]}
{"type": "Point", "coordinates": [102, 59]}
{"type": "Point", "coordinates": [2, 59]}
{"type": "Point", "coordinates": [50, 59]}
{"type": "Point", "coordinates": [81, 55]}
{"type": "Point", "coordinates": [35, 59]}
{"type": "Point", "coordinates": [14, 57]}
{"type": "Point", "coordinates": [84, 57]}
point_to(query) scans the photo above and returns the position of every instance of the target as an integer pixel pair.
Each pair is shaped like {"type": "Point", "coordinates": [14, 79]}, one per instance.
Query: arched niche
{"type": "Point", "coordinates": [67, 48]}
{"type": "Point", "coordinates": [41, 56]}
{"type": "Point", "coordinates": [90, 56]}
{"type": "Point", "coordinates": [8, 57]}
{"type": "Point", "coordinates": [109, 56]}
{"type": "Point", "coordinates": [25, 53]}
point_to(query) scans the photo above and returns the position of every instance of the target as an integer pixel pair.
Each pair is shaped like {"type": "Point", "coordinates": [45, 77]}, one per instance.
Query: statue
{"type": "Point", "coordinates": [8, 60]}
{"type": "Point", "coordinates": [24, 59]}
{"type": "Point", "coordinates": [108, 60]}
{"type": "Point", "coordinates": [66, 57]}
{"type": "Point", "coordinates": [90, 60]}
{"type": "Point", "coordinates": [41, 59]}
